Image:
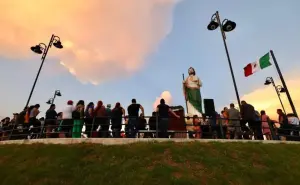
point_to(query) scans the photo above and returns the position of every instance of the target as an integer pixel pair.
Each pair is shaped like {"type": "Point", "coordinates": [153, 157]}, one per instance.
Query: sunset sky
{"type": "Point", "coordinates": [118, 50]}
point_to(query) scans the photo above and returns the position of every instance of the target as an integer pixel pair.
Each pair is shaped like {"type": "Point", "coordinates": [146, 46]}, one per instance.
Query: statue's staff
{"type": "Point", "coordinates": [184, 91]}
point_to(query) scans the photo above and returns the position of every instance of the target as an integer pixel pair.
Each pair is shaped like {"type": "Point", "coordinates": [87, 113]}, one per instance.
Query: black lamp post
{"type": "Point", "coordinates": [278, 88]}
{"type": "Point", "coordinates": [43, 49]}
{"type": "Point", "coordinates": [51, 100]}
{"type": "Point", "coordinates": [225, 26]}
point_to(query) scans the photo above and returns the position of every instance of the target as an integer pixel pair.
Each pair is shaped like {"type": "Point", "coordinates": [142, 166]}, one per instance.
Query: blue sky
{"type": "Point", "coordinates": [261, 26]}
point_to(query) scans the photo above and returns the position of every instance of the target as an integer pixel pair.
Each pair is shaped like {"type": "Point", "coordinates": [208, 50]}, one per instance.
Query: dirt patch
{"type": "Point", "coordinates": [211, 148]}
{"type": "Point", "coordinates": [167, 158]}
{"type": "Point", "coordinates": [258, 165]}
{"type": "Point", "coordinates": [3, 159]}
{"type": "Point", "coordinates": [41, 160]}
{"type": "Point", "coordinates": [257, 161]}
{"type": "Point", "coordinates": [92, 158]}
{"type": "Point", "coordinates": [49, 181]}
{"type": "Point", "coordinates": [177, 175]}
{"type": "Point", "coordinates": [150, 168]}
{"type": "Point", "coordinates": [198, 166]}
{"type": "Point", "coordinates": [233, 155]}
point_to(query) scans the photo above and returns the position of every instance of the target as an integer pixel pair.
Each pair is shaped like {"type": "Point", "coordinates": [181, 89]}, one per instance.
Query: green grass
{"type": "Point", "coordinates": [150, 163]}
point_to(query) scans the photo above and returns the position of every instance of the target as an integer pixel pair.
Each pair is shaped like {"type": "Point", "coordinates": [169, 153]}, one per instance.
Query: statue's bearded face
{"type": "Point", "coordinates": [191, 71]}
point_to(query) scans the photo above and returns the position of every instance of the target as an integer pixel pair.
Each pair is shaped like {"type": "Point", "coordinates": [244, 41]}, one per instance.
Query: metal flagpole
{"type": "Point", "coordinates": [284, 84]}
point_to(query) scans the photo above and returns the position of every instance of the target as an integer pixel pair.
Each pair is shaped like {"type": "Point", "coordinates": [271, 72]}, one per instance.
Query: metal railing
{"type": "Point", "coordinates": [105, 127]}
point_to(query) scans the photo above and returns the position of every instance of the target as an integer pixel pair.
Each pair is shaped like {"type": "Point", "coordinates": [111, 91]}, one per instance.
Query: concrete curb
{"type": "Point", "coordinates": [121, 141]}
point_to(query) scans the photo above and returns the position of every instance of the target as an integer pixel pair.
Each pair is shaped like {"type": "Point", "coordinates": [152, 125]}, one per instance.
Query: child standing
{"type": "Point", "coordinates": [265, 124]}
{"type": "Point", "coordinates": [197, 128]}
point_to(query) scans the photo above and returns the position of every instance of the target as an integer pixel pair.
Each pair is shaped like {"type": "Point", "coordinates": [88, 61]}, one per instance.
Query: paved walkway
{"type": "Point", "coordinates": [120, 141]}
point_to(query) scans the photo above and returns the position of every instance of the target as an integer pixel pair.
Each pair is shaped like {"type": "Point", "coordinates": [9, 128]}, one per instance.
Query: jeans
{"type": "Point", "coordinates": [132, 124]}
{"type": "Point", "coordinates": [257, 130]}
{"type": "Point", "coordinates": [163, 128]}
{"type": "Point", "coordinates": [116, 132]}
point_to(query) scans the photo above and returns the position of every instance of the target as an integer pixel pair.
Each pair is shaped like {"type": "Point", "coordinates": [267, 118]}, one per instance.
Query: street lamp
{"type": "Point", "coordinates": [225, 26]}
{"type": "Point", "coordinates": [43, 49]}
{"type": "Point", "coordinates": [278, 88]}
{"type": "Point", "coordinates": [51, 100]}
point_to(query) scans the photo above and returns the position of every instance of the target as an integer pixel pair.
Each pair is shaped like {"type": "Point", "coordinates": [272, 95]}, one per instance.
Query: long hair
{"type": "Point", "coordinates": [193, 73]}
{"type": "Point", "coordinates": [118, 105]}
{"type": "Point", "coordinates": [80, 102]}
{"type": "Point", "coordinates": [99, 105]}
{"type": "Point", "coordinates": [90, 105]}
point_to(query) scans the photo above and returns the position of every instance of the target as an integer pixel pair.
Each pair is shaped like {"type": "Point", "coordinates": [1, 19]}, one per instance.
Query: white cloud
{"type": "Point", "coordinates": [166, 95]}
{"type": "Point", "coordinates": [103, 39]}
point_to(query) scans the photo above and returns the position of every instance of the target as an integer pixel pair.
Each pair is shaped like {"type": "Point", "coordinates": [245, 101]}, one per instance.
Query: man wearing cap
{"type": "Point", "coordinates": [67, 123]}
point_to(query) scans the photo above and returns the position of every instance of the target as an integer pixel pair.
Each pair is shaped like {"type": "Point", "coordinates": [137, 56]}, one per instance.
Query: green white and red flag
{"type": "Point", "coordinates": [263, 62]}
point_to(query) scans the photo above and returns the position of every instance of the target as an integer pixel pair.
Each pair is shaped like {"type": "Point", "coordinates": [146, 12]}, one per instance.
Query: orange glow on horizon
{"type": "Point", "coordinates": [265, 98]}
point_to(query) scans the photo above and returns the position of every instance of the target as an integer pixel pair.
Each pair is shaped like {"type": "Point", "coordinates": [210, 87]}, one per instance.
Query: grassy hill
{"type": "Point", "coordinates": [150, 163]}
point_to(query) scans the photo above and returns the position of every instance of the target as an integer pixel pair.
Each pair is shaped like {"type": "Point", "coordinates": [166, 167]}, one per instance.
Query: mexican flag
{"type": "Point", "coordinates": [262, 63]}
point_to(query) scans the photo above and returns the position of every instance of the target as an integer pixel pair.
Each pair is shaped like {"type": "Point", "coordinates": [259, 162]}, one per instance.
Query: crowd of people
{"type": "Point", "coordinates": [102, 121]}
{"type": "Point", "coordinates": [248, 123]}
{"type": "Point", "coordinates": [97, 121]}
